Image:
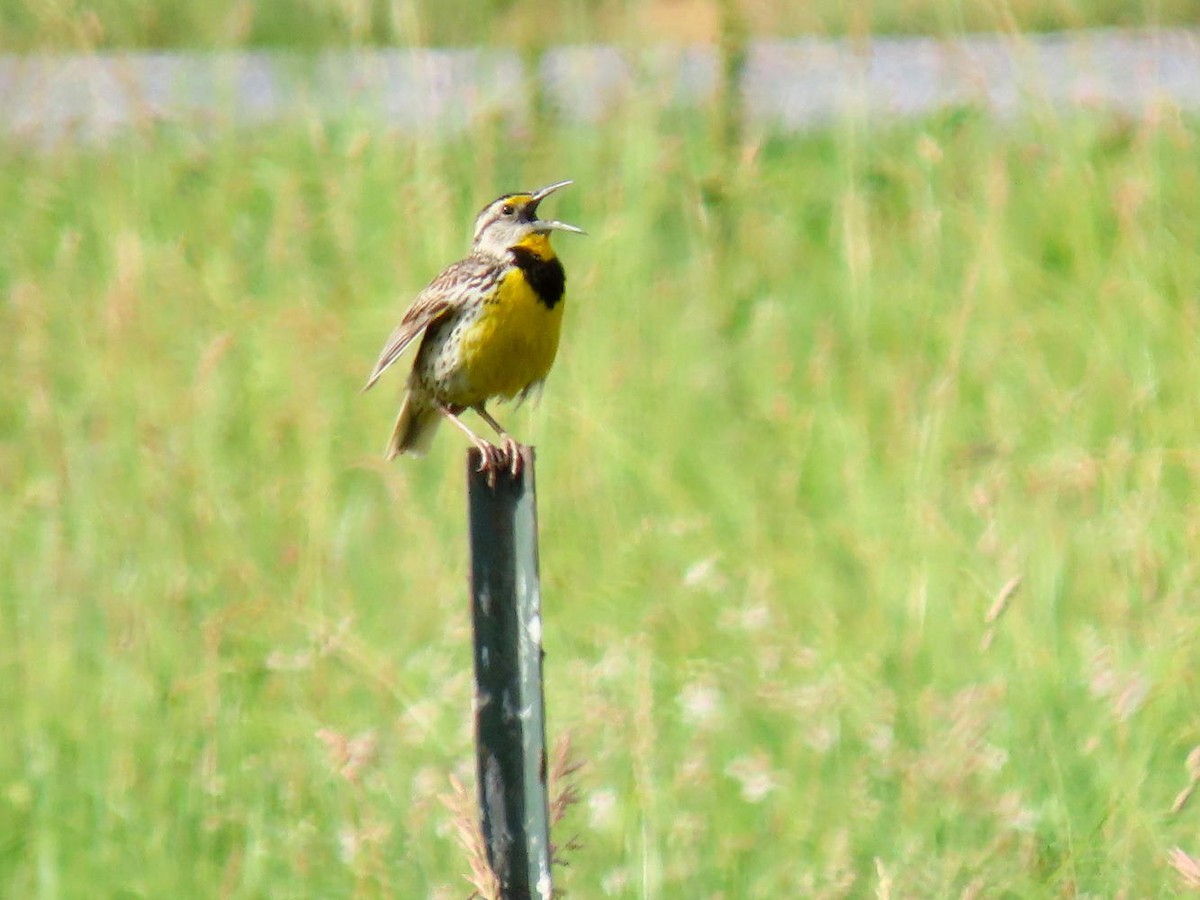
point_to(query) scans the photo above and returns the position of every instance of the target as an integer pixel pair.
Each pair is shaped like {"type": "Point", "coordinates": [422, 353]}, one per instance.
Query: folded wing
{"type": "Point", "coordinates": [441, 298]}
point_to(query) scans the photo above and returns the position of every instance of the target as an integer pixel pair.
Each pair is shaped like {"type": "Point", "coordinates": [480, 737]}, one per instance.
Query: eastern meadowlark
{"type": "Point", "coordinates": [489, 328]}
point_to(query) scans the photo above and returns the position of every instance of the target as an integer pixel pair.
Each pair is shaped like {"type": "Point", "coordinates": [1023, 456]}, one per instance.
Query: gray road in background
{"type": "Point", "coordinates": [791, 85]}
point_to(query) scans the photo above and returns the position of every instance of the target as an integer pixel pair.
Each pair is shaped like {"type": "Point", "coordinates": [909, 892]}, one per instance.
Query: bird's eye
{"type": "Point", "coordinates": [507, 209]}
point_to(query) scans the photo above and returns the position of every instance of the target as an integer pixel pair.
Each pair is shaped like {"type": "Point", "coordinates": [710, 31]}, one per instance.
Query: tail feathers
{"type": "Point", "coordinates": [415, 427]}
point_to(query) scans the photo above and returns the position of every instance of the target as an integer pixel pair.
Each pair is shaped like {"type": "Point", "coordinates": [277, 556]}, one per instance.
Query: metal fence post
{"type": "Point", "coordinates": [510, 731]}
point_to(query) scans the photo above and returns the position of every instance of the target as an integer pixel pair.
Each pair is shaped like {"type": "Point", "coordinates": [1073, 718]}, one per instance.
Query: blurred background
{"type": "Point", "coordinates": [867, 472]}
{"type": "Point", "coordinates": [127, 24]}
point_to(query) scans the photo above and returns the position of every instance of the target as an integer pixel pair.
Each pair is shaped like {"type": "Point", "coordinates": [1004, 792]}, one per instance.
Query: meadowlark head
{"type": "Point", "coordinates": [508, 220]}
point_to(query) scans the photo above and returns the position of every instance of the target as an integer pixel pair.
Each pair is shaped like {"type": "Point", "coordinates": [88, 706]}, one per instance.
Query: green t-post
{"type": "Point", "coordinates": [510, 730]}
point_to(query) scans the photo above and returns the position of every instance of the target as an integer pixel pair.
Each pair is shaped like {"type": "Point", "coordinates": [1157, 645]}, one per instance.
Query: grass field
{"type": "Point", "coordinates": [129, 24]}
{"type": "Point", "coordinates": [818, 403]}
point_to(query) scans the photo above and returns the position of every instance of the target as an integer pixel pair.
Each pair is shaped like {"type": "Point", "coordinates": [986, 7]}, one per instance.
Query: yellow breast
{"type": "Point", "coordinates": [511, 344]}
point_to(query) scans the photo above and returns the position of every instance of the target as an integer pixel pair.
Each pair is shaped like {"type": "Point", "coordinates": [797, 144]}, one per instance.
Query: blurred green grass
{"type": "Point", "coordinates": [27, 25]}
{"type": "Point", "coordinates": [814, 408]}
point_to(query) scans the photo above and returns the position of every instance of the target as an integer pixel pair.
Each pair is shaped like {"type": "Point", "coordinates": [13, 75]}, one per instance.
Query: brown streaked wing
{"type": "Point", "coordinates": [443, 295]}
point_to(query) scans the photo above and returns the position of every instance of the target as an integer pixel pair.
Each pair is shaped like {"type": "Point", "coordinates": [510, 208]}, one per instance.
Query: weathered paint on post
{"type": "Point", "coordinates": [510, 731]}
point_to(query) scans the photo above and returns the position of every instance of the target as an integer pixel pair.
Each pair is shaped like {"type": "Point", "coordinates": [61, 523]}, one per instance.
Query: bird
{"type": "Point", "coordinates": [489, 326]}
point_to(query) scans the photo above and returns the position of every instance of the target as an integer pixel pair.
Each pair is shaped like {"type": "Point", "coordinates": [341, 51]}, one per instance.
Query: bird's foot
{"type": "Point", "coordinates": [492, 459]}
{"type": "Point", "coordinates": [512, 450]}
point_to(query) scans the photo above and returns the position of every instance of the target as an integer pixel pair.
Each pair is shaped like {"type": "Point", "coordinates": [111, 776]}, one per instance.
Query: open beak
{"type": "Point", "coordinates": [551, 224]}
